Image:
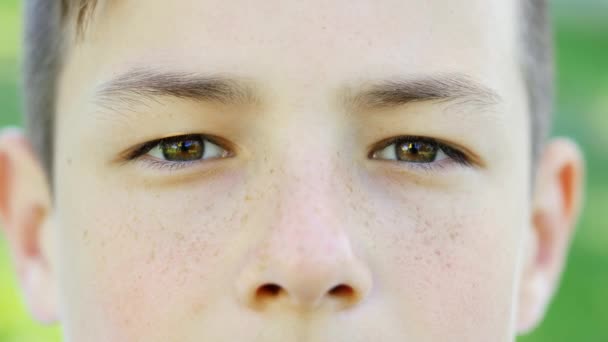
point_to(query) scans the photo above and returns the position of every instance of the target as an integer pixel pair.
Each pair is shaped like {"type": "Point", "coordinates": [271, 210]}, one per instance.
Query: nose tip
{"type": "Point", "coordinates": [340, 296]}
{"type": "Point", "coordinates": [301, 289]}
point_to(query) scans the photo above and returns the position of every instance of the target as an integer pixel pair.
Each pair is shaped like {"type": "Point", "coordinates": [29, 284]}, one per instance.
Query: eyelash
{"type": "Point", "coordinates": [140, 151]}
{"type": "Point", "coordinates": [168, 165]}
{"type": "Point", "coordinates": [454, 155]}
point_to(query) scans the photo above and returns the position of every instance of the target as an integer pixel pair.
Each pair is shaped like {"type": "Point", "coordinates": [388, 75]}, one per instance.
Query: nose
{"type": "Point", "coordinates": [304, 277]}
{"type": "Point", "coordinates": [305, 262]}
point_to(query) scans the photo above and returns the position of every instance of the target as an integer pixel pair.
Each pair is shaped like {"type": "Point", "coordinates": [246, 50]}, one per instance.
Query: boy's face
{"type": "Point", "coordinates": [293, 218]}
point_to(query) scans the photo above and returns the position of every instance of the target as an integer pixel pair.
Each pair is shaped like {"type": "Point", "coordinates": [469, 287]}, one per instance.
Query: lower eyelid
{"type": "Point", "coordinates": [155, 163]}
{"type": "Point", "coordinates": [401, 166]}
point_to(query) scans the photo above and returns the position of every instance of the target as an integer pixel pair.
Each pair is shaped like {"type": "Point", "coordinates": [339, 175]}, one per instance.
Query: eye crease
{"type": "Point", "coordinates": [418, 150]}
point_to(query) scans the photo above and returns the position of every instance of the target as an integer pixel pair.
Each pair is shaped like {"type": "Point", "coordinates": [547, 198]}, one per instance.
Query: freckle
{"type": "Point", "coordinates": [244, 219]}
{"type": "Point", "coordinates": [248, 198]}
{"type": "Point", "coordinates": [448, 265]}
{"type": "Point", "coordinates": [85, 234]}
{"type": "Point", "coordinates": [453, 235]}
{"type": "Point", "coordinates": [69, 161]}
{"type": "Point", "coordinates": [271, 171]}
{"type": "Point", "coordinates": [198, 308]}
{"type": "Point", "coordinates": [151, 257]}
{"type": "Point", "coordinates": [437, 252]}
{"type": "Point", "coordinates": [179, 236]}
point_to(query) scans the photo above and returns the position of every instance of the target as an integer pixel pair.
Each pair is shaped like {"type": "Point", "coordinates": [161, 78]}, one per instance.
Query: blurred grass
{"type": "Point", "coordinates": [579, 311]}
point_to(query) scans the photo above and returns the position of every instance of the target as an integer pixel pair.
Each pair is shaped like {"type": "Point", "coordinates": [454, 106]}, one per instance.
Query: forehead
{"type": "Point", "coordinates": [279, 39]}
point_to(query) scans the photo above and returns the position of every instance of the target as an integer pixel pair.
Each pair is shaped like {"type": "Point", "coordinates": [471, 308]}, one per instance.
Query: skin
{"type": "Point", "coordinates": [249, 247]}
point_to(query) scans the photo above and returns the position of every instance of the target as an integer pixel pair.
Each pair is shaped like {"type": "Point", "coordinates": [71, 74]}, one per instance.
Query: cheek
{"type": "Point", "coordinates": [137, 258]}
{"type": "Point", "coordinates": [450, 262]}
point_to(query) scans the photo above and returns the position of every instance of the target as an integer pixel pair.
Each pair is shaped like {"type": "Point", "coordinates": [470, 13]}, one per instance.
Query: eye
{"type": "Point", "coordinates": [181, 149]}
{"type": "Point", "coordinates": [418, 150]}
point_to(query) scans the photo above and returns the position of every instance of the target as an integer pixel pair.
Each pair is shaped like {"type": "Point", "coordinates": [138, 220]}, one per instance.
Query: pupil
{"type": "Point", "coordinates": [186, 145]}
{"type": "Point", "coordinates": [413, 148]}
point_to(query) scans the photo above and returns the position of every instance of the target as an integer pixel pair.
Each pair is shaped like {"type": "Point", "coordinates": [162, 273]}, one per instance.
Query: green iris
{"type": "Point", "coordinates": [183, 148]}
{"type": "Point", "coordinates": [417, 151]}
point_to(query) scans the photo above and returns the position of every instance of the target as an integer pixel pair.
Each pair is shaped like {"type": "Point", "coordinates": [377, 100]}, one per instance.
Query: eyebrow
{"type": "Point", "coordinates": [457, 89]}
{"type": "Point", "coordinates": [141, 84]}
{"type": "Point", "coordinates": [137, 85]}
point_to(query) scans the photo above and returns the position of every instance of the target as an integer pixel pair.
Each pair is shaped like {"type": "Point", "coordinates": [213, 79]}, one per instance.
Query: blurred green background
{"type": "Point", "coordinates": [580, 309]}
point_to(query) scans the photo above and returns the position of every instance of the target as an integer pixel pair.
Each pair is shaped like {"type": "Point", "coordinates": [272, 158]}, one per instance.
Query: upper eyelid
{"type": "Point", "coordinates": [468, 158]}
{"type": "Point", "coordinates": [392, 140]}
{"type": "Point", "coordinates": [143, 148]}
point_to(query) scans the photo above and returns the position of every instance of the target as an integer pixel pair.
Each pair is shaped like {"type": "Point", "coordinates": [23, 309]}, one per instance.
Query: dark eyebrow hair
{"type": "Point", "coordinates": [131, 86]}
{"type": "Point", "coordinates": [457, 89]}
{"type": "Point", "coordinates": [137, 85]}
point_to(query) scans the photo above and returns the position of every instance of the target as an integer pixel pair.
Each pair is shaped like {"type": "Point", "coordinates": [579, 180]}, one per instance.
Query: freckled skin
{"type": "Point", "coordinates": [299, 236]}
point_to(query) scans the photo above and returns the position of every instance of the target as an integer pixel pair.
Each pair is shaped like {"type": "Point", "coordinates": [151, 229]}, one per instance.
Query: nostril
{"type": "Point", "coordinates": [269, 290]}
{"type": "Point", "coordinates": [342, 291]}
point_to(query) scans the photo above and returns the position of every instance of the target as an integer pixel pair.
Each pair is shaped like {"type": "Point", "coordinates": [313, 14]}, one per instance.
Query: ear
{"type": "Point", "coordinates": [556, 205]}
{"type": "Point", "coordinates": [25, 217]}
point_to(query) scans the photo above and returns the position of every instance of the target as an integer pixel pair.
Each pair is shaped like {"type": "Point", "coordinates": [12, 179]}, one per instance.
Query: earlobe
{"type": "Point", "coordinates": [555, 209]}
{"type": "Point", "coordinates": [25, 216]}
